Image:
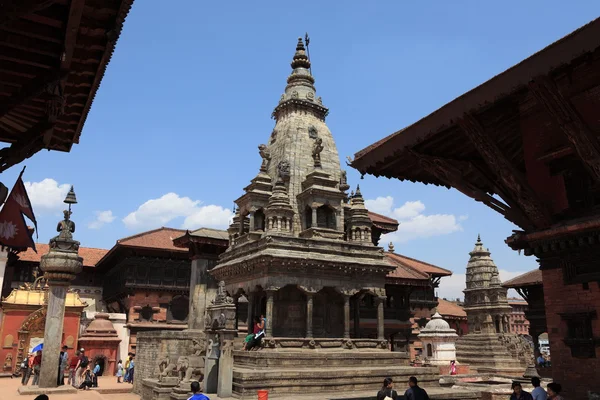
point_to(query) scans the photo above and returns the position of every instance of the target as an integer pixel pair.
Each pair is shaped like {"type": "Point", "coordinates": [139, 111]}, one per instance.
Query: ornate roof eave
{"type": "Point", "coordinates": [407, 282]}
{"type": "Point", "coordinates": [185, 241]}
{"type": "Point", "coordinates": [306, 105]}
{"type": "Point", "coordinates": [323, 191]}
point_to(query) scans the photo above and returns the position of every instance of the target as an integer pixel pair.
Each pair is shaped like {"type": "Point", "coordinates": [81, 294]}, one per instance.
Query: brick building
{"type": "Point", "coordinates": [454, 313]}
{"type": "Point", "coordinates": [517, 318]}
{"type": "Point", "coordinates": [525, 143]}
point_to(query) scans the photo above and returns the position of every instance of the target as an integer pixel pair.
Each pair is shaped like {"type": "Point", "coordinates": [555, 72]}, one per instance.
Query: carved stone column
{"type": "Point", "coordinates": [346, 316]}
{"type": "Point", "coordinates": [309, 315]}
{"type": "Point", "coordinates": [199, 292]}
{"type": "Point", "coordinates": [251, 296]}
{"type": "Point", "coordinates": [314, 218]}
{"type": "Point", "coordinates": [269, 316]}
{"type": "Point", "coordinates": [357, 318]}
{"type": "Point", "coordinates": [251, 229]}
{"type": "Point", "coordinates": [380, 318]}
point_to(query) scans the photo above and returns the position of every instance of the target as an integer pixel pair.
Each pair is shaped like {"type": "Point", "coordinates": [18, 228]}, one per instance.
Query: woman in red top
{"type": "Point", "coordinates": [72, 368]}
{"type": "Point", "coordinates": [37, 362]}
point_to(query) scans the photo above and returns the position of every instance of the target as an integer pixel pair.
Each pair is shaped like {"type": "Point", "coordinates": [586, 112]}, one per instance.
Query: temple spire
{"type": "Point", "coordinates": [300, 57]}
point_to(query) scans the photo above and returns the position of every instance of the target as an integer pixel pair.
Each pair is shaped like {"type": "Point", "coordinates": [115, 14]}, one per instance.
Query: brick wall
{"type": "Point", "coordinates": [576, 375]}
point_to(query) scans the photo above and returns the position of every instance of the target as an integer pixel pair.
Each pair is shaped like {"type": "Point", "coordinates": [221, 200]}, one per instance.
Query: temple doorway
{"type": "Point", "coordinates": [328, 314]}
{"type": "Point", "coordinates": [290, 312]}
{"type": "Point", "coordinates": [101, 361]}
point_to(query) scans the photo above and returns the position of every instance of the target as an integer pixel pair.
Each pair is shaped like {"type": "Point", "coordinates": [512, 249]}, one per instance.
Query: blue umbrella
{"type": "Point", "coordinates": [39, 347]}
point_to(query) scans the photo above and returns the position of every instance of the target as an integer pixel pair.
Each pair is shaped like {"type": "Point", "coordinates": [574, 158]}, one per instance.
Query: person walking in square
{"type": "Point", "coordinates": [37, 363]}
{"type": "Point", "coordinates": [415, 392]}
{"type": "Point", "coordinates": [72, 369]}
{"type": "Point", "coordinates": [119, 371]}
{"type": "Point", "coordinates": [519, 393]}
{"type": "Point", "coordinates": [538, 393]}
{"type": "Point", "coordinates": [62, 365]}
{"type": "Point", "coordinates": [387, 392]}
{"type": "Point", "coordinates": [196, 395]}
{"type": "Point", "coordinates": [554, 390]}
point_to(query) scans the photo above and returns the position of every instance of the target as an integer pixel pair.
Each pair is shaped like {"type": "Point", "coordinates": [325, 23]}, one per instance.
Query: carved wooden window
{"type": "Point", "coordinates": [146, 313]}
{"type": "Point", "coordinates": [179, 308]}
{"type": "Point", "coordinates": [259, 220]}
{"type": "Point", "coordinates": [580, 336]}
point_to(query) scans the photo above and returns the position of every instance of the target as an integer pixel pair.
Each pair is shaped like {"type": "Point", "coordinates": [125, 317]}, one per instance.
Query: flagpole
{"type": "Point", "coordinates": [307, 41]}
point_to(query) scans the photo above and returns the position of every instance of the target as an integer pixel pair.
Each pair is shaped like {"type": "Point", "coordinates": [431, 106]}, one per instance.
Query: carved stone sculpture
{"type": "Point", "coordinates": [166, 368]}
{"type": "Point", "coordinates": [265, 153]}
{"type": "Point", "coordinates": [312, 132]}
{"type": "Point", "coordinates": [316, 153]}
{"type": "Point", "coordinates": [283, 169]}
{"type": "Point", "coordinates": [8, 361]}
{"type": "Point", "coordinates": [191, 366]}
{"type": "Point", "coordinates": [64, 239]}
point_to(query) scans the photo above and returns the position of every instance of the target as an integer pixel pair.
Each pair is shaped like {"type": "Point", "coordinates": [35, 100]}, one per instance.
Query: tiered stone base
{"type": "Point", "coordinates": [303, 372]}
{"type": "Point", "coordinates": [485, 354]}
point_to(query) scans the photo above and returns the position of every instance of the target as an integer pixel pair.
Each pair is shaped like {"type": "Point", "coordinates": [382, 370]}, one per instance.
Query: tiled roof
{"type": "Point", "coordinates": [448, 308]}
{"type": "Point", "coordinates": [515, 301]}
{"type": "Point", "coordinates": [90, 256]}
{"type": "Point", "coordinates": [527, 279]}
{"type": "Point", "coordinates": [378, 218]}
{"type": "Point", "coordinates": [418, 265]}
{"type": "Point", "coordinates": [403, 271]}
{"type": "Point", "coordinates": [161, 238]}
{"type": "Point", "coordinates": [211, 233]}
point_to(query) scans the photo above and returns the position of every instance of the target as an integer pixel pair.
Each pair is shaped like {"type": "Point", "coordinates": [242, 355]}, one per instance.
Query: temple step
{"type": "Point", "coordinates": [317, 359]}
{"type": "Point", "coordinates": [311, 380]}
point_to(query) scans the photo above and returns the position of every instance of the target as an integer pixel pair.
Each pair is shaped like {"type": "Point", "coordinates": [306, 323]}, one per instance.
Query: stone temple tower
{"type": "Point", "coordinates": [488, 347]}
{"type": "Point", "coordinates": [299, 244]}
{"type": "Point", "coordinates": [485, 299]}
{"type": "Point", "coordinates": [301, 250]}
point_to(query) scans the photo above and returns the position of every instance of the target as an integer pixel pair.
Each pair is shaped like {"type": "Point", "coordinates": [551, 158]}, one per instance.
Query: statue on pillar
{"type": "Point", "coordinates": [265, 155]}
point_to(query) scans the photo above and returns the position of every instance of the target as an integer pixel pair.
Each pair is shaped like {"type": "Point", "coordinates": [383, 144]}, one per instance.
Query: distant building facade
{"type": "Point", "coordinates": [517, 319]}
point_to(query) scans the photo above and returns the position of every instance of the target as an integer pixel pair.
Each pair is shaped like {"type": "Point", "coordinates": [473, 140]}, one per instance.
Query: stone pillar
{"type": "Point", "coordinates": [251, 228]}
{"type": "Point", "coordinates": [309, 315]}
{"type": "Point", "coordinates": [225, 384]}
{"type": "Point", "coordinates": [211, 364]}
{"type": "Point", "coordinates": [3, 260]}
{"type": "Point", "coordinates": [357, 317]}
{"type": "Point", "coordinates": [314, 218]}
{"type": "Point", "coordinates": [380, 318]}
{"type": "Point", "coordinates": [250, 322]}
{"type": "Point", "coordinates": [346, 316]}
{"type": "Point", "coordinates": [57, 294]}
{"type": "Point", "coordinates": [198, 293]}
{"type": "Point", "coordinates": [269, 316]}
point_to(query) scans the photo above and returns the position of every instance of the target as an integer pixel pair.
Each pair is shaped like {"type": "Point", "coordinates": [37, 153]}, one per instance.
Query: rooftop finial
{"type": "Point", "coordinates": [358, 193]}
{"type": "Point", "coordinates": [300, 57]}
{"type": "Point", "coordinates": [478, 238]}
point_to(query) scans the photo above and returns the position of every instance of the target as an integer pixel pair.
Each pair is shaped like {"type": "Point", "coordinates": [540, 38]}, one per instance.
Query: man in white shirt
{"type": "Point", "coordinates": [538, 393]}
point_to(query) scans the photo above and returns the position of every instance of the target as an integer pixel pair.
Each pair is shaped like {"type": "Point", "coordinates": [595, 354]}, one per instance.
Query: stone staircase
{"type": "Point", "coordinates": [488, 354]}
{"type": "Point", "coordinates": [320, 372]}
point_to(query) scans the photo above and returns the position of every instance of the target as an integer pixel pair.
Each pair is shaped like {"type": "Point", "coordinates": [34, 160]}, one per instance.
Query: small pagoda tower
{"type": "Point", "coordinates": [358, 223]}
{"type": "Point", "coordinates": [485, 348]}
{"type": "Point", "coordinates": [486, 304]}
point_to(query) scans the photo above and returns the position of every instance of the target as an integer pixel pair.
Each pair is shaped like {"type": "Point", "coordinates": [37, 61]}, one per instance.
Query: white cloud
{"type": "Point", "coordinates": [161, 211]}
{"type": "Point", "coordinates": [413, 223]}
{"type": "Point", "coordinates": [102, 218]}
{"type": "Point", "coordinates": [451, 287]}
{"type": "Point", "coordinates": [47, 196]}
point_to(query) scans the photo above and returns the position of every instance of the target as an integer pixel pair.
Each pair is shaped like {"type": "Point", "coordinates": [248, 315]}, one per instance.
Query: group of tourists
{"type": "Point", "coordinates": [126, 372]}
{"type": "Point", "coordinates": [538, 393]}
{"type": "Point", "coordinates": [253, 340]}
{"type": "Point", "coordinates": [414, 391]}
{"type": "Point", "coordinates": [80, 375]}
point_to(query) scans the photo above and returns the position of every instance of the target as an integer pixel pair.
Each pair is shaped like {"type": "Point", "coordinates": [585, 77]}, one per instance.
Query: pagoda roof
{"type": "Point", "coordinates": [404, 271]}
{"type": "Point", "coordinates": [203, 235]}
{"type": "Point", "coordinates": [384, 223]}
{"type": "Point", "coordinates": [530, 278]}
{"type": "Point", "coordinates": [475, 143]}
{"type": "Point", "coordinates": [24, 296]}
{"type": "Point", "coordinates": [49, 42]}
{"type": "Point", "coordinates": [90, 255]}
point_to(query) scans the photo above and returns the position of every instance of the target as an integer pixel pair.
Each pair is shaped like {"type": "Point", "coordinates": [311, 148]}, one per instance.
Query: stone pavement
{"type": "Point", "coordinates": [109, 389]}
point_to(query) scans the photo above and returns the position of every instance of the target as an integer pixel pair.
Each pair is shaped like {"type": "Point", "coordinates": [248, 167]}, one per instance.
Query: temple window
{"type": "Point", "coordinates": [429, 350]}
{"type": "Point", "coordinates": [146, 313]}
{"type": "Point", "coordinates": [259, 220]}
{"type": "Point", "coordinates": [308, 217]}
{"type": "Point", "coordinates": [326, 217]}
{"type": "Point", "coordinates": [580, 336]}
{"type": "Point", "coordinates": [179, 308]}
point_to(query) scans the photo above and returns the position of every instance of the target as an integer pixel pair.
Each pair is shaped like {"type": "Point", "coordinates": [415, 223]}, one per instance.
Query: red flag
{"type": "Point", "coordinates": [13, 228]}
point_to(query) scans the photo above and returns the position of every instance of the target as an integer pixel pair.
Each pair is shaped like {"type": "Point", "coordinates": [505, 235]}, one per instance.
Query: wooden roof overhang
{"type": "Point", "coordinates": [53, 56]}
{"type": "Point", "coordinates": [201, 244]}
{"type": "Point", "coordinates": [121, 252]}
{"type": "Point", "coordinates": [540, 114]}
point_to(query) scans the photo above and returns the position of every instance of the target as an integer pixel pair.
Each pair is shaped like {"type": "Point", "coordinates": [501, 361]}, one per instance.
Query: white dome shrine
{"type": "Point", "coordinates": [438, 341]}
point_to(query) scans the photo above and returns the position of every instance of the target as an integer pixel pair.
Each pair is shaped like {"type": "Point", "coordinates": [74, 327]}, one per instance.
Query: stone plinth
{"type": "Point", "coordinates": [152, 389]}
{"type": "Point", "coordinates": [153, 347]}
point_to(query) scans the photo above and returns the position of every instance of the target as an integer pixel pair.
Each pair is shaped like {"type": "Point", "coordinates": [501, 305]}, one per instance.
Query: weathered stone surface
{"type": "Point", "coordinates": [152, 347]}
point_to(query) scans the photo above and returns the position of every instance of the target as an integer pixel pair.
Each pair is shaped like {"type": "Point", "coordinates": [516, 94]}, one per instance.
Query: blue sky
{"type": "Point", "coordinates": [188, 95]}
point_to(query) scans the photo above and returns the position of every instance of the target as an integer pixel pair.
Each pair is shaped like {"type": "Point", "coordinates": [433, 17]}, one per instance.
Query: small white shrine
{"type": "Point", "coordinates": [438, 341]}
